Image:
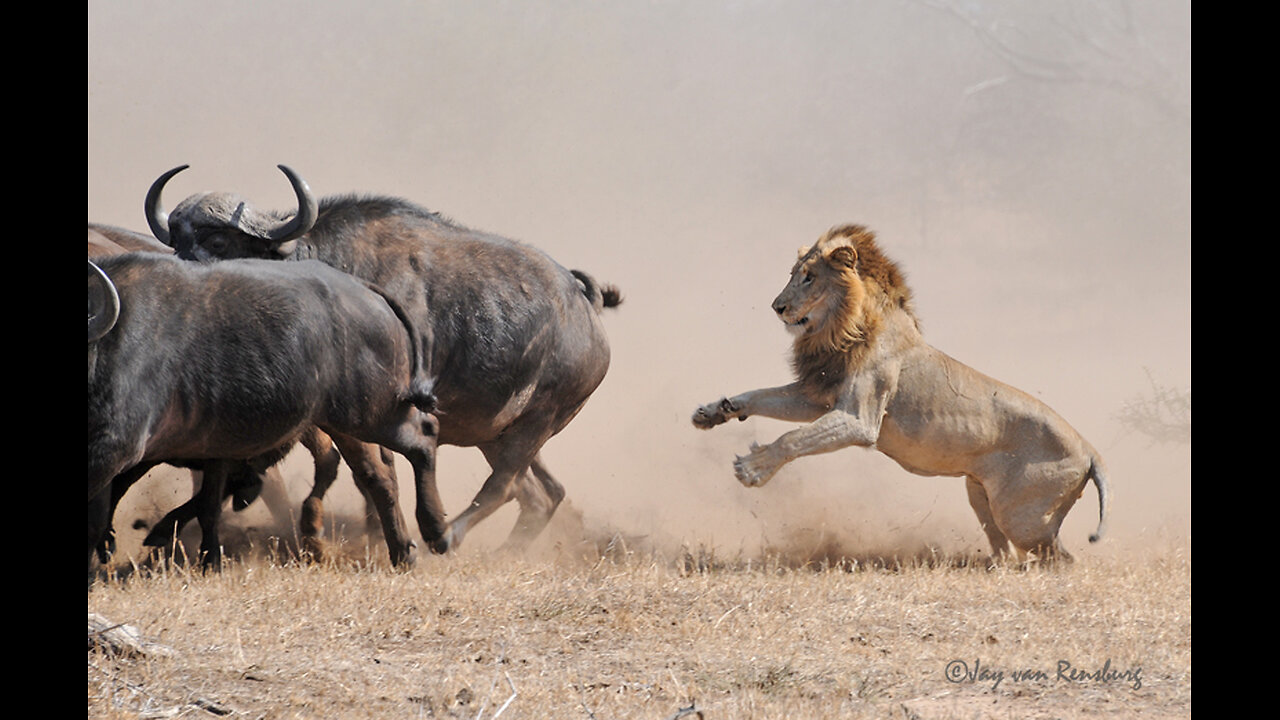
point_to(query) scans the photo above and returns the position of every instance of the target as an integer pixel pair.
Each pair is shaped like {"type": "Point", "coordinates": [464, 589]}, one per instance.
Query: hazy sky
{"type": "Point", "coordinates": [1028, 164]}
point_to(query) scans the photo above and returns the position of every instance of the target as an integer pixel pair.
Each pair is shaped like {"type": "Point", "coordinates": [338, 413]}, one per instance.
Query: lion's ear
{"type": "Point", "coordinates": [842, 256]}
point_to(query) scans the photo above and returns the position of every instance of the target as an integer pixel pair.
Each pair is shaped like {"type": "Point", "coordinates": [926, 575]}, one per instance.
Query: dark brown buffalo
{"type": "Point", "coordinates": [244, 483]}
{"type": "Point", "coordinates": [234, 361]}
{"type": "Point", "coordinates": [248, 480]}
{"type": "Point", "coordinates": [109, 240]}
{"type": "Point", "coordinates": [515, 339]}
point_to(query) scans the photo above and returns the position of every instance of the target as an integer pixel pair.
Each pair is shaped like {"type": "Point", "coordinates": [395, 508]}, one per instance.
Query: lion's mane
{"type": "Point", "coordinates": [868, 289]}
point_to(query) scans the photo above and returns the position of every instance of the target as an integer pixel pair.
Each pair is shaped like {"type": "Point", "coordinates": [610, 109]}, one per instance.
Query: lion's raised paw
{"type": "Point", "coordinates": [755, 468]}
{"type": "Point", "coordinates": [713, 414]}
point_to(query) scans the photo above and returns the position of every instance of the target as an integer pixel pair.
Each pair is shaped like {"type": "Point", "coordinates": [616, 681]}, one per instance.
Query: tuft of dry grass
{"type": "Point", "coordinates": [607, 627]}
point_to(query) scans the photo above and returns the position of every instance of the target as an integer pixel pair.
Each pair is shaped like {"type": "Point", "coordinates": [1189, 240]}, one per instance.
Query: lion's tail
{"type": "Point", "coordinates": [1099, 475]}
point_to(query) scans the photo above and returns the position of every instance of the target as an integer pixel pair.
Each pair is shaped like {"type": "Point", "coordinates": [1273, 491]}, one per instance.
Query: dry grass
{"type": "Point", "coordinates": [609, 630]}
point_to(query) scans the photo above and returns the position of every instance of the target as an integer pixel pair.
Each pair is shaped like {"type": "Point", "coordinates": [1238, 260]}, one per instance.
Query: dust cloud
{"type": "Point", "coordinates": [1029, 166]}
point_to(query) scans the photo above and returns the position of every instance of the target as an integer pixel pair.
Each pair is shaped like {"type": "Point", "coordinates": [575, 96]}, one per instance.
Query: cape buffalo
{"type": "Point", "coordinates": [248, 480]}
{"type": "Point", "coordinates": [514, 338]}
{"type": "Point", "coordinates": [244, 483]}
{"type": "Point", "coordinates": [110, 240]}
{"type": "Point", "coordinates": [234, 361]}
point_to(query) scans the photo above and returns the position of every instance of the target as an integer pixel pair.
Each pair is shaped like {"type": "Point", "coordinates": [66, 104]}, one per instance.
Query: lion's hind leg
{"type": "Point", "coordinates": [982, 508]}
{"type": "Point", "coordinates": [1030, 508]}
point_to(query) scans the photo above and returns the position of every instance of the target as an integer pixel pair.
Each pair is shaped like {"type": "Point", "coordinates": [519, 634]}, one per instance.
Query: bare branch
{"type": "Point", "coordinates": [1164, 415]}
{"type": "Point", "coordinates": [1085, 42]}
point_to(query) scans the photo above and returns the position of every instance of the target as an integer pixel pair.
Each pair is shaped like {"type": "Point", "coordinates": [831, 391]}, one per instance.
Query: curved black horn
{"type": "Point", "coordinates": [307, 210]}
{"type": "Point", "coordinates": [157, 218]}
{"type": "Point", "coordinates": [103, 314]}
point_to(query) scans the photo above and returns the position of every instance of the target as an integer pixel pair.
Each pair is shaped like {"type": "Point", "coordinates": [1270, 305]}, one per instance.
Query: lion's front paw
{"type": "Point", "coordinates": [755, 468]}
{"type": "Point", "coordinates": [716, 413]}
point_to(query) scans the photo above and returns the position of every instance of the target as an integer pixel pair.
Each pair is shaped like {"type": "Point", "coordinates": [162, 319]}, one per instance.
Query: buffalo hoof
{"type": "Point", "coordinates": [406, 558]}
{"type": "Point", "coordinates": [211, 562]}
{"type": "Point", "coordinates": [313, 549]}
{"type": "Point", "coordinates": [442, 544]}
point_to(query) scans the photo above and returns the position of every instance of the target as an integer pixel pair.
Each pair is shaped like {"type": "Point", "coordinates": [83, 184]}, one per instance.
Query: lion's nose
{"type": "Point", "coordinates": [779, 307]}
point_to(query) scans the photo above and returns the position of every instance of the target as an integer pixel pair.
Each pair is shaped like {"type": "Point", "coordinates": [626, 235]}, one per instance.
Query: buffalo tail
{"type": "Point", "coordinates": [600, 296]}
{"type": "Point", "coordinates": [421, 388]}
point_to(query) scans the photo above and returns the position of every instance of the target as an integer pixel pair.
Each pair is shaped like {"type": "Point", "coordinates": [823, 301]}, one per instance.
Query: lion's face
{"type": "Point", "coordinates": [823, 292]}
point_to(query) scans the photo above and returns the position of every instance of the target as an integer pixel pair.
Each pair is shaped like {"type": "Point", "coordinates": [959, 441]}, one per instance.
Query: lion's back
{"type": "Point", "coordinates": [946, 417]}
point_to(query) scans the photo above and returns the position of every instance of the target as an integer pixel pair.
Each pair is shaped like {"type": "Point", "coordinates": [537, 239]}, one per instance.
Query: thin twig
{"type": "Point", "coordinates": [513, 695]}
{"type": "Point", "coordinates": [725, 615]}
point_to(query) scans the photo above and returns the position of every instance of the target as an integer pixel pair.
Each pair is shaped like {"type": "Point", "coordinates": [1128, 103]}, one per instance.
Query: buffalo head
{"type": "Point", "coordinates": [219, 224]}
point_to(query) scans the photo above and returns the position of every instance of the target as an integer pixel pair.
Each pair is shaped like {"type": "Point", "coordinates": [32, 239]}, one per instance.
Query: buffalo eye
{"type": "Point", "coordinates": [215, 242]}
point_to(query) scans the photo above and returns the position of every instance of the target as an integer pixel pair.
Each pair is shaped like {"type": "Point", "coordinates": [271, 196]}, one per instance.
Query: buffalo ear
{"type": "Point", "coordinates": [286, 249]}
{"type": "Point", "coordinates": [843, 256]}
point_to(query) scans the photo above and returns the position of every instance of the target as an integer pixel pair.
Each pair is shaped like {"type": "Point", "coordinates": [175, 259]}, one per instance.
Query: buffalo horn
{"type": "Point", "coordinates": [104, 308]}
{"type": "Point", "coordinates": [157, 218]}
{"type": "Point", "coordinates": [307, 210]}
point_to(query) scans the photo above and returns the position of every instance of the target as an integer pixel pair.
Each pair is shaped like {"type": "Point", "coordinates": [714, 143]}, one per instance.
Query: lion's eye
{"type": "Point", "coordinates": [808, 278]}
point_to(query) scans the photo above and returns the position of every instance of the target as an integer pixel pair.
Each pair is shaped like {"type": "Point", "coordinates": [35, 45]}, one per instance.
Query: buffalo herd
{"type": "Point", "coordinates": [358, 326]}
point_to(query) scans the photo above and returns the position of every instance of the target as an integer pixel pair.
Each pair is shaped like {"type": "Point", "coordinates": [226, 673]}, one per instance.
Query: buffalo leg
{"type": "Point", "coordinates": [420, 449]}
{"type": "Point", "coordinates": [99, 526]}
{"type": "Point", "coordinates": [379, 485]}
{"type": "Point", "coordinates": [209, 510]}
{"type": "Point", "coordinates": [105, 544]}
{"type": "Point", "coordinates": [244, 485]}
{"type": "Point", "coordinates": [508, 460]}
{"type": "Point", "coordinates": [539, 494]}
{"type": "Point", "coordinates": [327, 457]}
{"type": "Point", "coordinates": [242, 482]}
{"type": "Point", "coordinates": [372, 525]}
{"type": "Point", "coordinates": [275, 495]}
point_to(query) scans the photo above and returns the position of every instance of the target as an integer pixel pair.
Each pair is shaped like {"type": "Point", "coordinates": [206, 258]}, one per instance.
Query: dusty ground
{"type": "Point", "coordinates": [595, 625]}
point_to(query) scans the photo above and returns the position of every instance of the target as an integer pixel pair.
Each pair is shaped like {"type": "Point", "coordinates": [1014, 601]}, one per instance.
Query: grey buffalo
{"type": "Point", "coordinates": [515, 340]}
{"type": "Point", "coordinates": [248, 479]}
{"type": "Point", "coordinates": [244, 484]}
{"type": "Point", "coordinates": [235, 361]}
{"type": "Point", "coordinates": [110, 240]}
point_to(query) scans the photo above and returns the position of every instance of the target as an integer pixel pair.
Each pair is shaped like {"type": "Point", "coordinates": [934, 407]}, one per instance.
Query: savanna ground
{"type": "Point", "coordinates": [596, 625]}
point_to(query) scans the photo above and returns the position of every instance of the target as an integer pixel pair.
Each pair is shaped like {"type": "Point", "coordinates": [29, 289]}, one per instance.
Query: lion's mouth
{"type": "Point", "coordinates": [798, 325]}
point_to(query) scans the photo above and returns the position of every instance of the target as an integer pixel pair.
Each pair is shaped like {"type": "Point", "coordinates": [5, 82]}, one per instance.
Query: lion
{"type": "Point", "coordinates": [866, 377]}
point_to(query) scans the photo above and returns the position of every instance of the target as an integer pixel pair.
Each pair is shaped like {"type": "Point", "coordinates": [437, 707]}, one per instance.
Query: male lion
{"type": "Point", "coordinates": [866, 377]}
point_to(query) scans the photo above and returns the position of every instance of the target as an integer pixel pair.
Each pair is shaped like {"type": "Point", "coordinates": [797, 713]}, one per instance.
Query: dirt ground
{"type": "Point", "coordinates": [592, 623]}
{"type": "Point", "coordinates": [1028, 165]}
